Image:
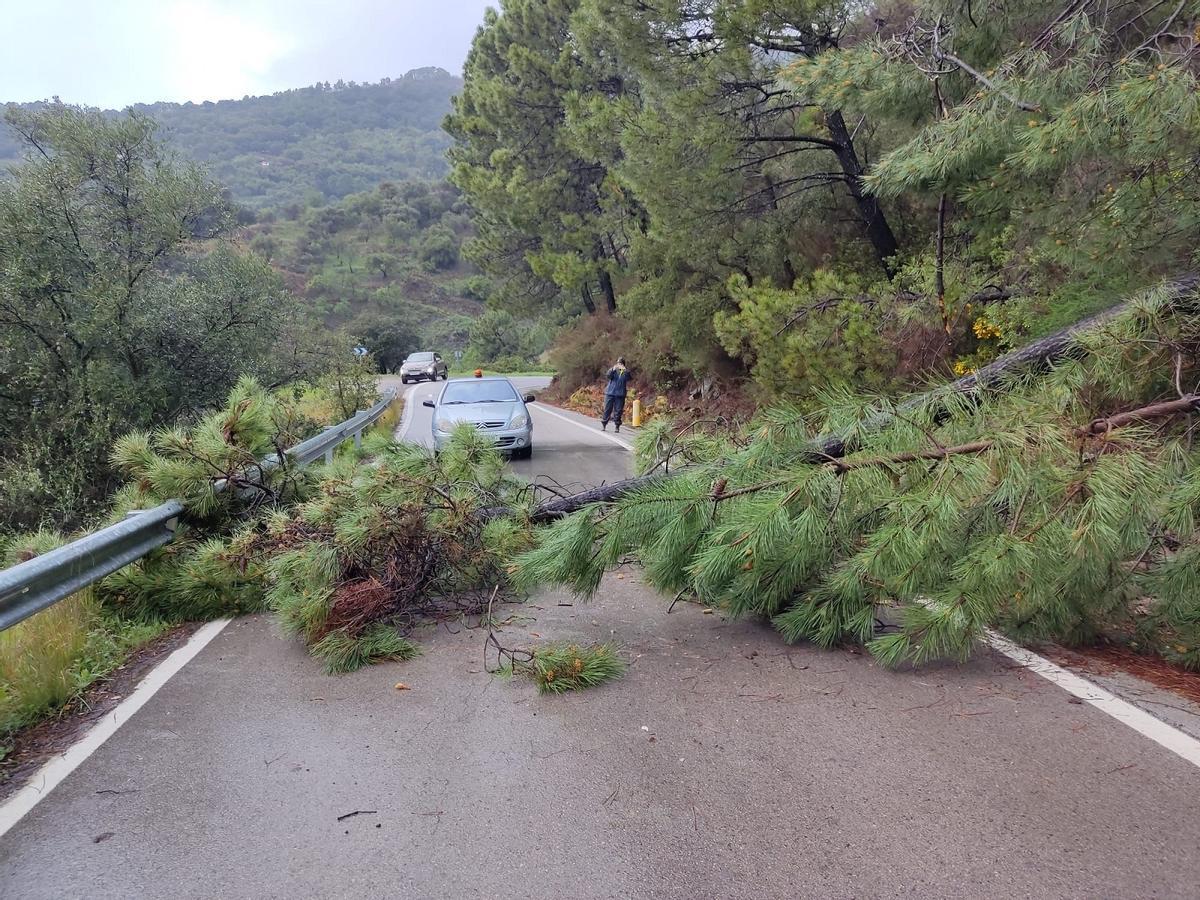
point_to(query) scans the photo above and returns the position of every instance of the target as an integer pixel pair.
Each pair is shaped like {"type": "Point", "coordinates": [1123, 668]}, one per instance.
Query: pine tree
{"type": "Point", "coordinates": [1052, 147]}
{"type": "Point", "coordinates": [536, 201]}
{"type": "Point", "coordinates": [714, 136]}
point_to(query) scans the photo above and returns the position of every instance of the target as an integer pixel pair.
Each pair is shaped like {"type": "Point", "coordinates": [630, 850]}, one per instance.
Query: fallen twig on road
{"type": "Point", "coordinates": [357, 812]}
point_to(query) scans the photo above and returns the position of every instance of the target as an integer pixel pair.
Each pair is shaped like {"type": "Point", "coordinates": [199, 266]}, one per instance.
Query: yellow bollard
{"type": "Point", "coordinates": [636, 417]}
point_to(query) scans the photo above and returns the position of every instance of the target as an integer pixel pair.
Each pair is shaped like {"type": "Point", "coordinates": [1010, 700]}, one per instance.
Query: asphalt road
{"type": "Point", "coordinates": [724, 764]}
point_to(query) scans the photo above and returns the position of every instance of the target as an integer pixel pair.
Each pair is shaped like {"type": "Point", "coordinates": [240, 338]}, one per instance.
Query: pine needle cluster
{"type": "Point", "coordinates": [343, 653]}
{"type": "Point", "coordinates": [381, 549]}
{"type": "Point", "coordinates": [1058, 506]}
{"type": "Point", "coordinates": [561, 667]}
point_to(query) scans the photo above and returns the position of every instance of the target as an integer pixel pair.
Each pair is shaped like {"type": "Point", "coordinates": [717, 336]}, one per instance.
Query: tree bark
{"type": "Point", "coordinates": [588, 303]}
{"type": "Point", "coordinates": [610, 295]}
{"type": "Point", "coordinates": [1186, 404]}
{"type": "Point", "coordinates": [789, 273]}
{"type": "Point", "coordinates": [879, 232]}
{"type": "Point", "coordinates": [939, 263]}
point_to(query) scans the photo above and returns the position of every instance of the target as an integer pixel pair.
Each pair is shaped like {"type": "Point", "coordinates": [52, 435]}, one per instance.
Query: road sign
{"type": "Point", "coordinates": [360, 351]}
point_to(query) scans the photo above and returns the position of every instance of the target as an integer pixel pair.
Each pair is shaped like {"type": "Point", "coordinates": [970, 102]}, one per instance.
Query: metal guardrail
{"type": "Point", "coordinates": [42, 581]}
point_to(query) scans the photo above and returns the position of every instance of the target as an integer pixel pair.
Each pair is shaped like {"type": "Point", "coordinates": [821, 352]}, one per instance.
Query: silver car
{"type": "Point", "coordinates": [420, 366]}
{"type": "Point", "coordinates": [492, 405]}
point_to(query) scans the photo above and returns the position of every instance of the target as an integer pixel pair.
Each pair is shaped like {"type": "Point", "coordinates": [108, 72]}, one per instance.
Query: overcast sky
{"type": "Point", "coordinates": [111, 53]}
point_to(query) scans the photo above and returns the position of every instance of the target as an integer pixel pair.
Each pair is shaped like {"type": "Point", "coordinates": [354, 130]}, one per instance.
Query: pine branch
{"type": "Point", "coordinates": [1020, 104]}
{"type": "Point", "coordinates": [546, 512]}
{"type": "Point", "coordinates": [848, 465]}
{"type": "Point", "coordinates": [1166, 409]}
{"type": "Point", "coordinates": [790, 139]}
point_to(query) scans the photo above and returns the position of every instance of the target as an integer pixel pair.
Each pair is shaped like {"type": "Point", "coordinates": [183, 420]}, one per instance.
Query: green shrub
{"type": "Point", "coordinates": [586, 349]}
{"type": "Point", "coordinates": [830, 330]}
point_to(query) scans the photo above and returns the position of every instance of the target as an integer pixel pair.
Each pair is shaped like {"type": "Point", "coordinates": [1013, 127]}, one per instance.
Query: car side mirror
{"type": "Point", "coordinates": [429, 403]}
{"type": "Point", "coordinates": [529, 398]}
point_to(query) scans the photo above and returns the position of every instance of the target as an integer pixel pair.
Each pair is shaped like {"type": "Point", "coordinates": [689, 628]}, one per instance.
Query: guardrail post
{"type": "Point", "coordinates": [329, 456]}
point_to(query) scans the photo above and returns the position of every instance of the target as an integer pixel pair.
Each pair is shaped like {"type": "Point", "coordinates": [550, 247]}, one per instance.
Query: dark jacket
{"type": "Point", "coordinates": [618, 376]}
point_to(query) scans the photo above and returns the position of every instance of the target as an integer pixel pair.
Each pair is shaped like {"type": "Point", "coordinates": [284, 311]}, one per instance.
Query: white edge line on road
{"type": "Point", "coordinates": [406, 415]}
{"type": "Point", "coordinates": [50, 775]}
{"type": "Point", "coordinates": [1139, 720]}
{"type": "Point", "coordinates": [604, 434]}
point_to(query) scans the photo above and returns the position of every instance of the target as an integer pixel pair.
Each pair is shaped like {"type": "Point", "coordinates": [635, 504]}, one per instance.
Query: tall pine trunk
{"type": "Point", "coordinates": [879, 232]}
{"type": "Point", "coordinates": [789, 273]}
{"type": "Point", "coordinates": [610, 295]}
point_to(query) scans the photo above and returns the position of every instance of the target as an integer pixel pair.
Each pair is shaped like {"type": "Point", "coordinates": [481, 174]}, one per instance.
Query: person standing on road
{"type": "Point", "coordinates": [614, 395]}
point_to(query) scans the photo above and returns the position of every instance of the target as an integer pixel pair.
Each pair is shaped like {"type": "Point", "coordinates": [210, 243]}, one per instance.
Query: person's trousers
{"type": "Point", "coordinates": [614, 407]}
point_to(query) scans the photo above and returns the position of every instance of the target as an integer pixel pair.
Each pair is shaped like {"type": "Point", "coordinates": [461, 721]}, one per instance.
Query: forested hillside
{"type": "Point", "coordinates": [312, 144]}
{"type": "Point", "coordinates": [101, 335]}
{"type": "Point", "coordinates": [384, 264]}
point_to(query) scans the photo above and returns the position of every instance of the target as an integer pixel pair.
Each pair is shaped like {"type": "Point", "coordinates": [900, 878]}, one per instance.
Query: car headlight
{"type": "Point", "coordinates": [520, 420]}
{"type": "Point", "coordinates": [444, 425]}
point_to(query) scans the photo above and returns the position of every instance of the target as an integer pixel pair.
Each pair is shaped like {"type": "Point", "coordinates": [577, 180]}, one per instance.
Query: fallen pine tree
{"type": "Point", "coordinates": [1178, 294]}
{"type": "Point", "coordinates": [1054, 495]}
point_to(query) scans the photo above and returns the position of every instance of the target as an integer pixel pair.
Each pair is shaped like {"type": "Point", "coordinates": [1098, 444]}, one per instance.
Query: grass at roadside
{"type": "Point", "coordinates": [387, 423]}
{"type": "Point", "coordinates": [381, 429]}
{"type": "Point", "coordinates": [51, 658]}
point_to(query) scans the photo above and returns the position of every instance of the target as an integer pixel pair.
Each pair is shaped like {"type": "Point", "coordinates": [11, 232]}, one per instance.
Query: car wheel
{"type": "Point", "coordinates": [524, 452]}
{"type": "Point", "coordinates": [403, 380]}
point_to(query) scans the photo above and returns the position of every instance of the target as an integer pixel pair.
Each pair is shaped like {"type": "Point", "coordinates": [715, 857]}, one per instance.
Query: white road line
{"type": "Point", "coordinates": [603, 434]}
{"type": "Point", "coordinates": [50, 775]}
{"type": "Point", "coordinates": [407, 415]}
{"type": "Point", "coordinates": [1139, 720]}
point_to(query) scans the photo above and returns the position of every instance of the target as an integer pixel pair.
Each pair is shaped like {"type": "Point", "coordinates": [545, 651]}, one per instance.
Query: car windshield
{"type": "Point", "coordinates": [479, 392]}
{"type": "Point", "coordinates": [419, 357]}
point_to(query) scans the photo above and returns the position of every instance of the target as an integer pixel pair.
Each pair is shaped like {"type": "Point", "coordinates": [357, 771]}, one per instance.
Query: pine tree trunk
{"type": "Point", "coordinates": [789, 273]}
{"type": "Point", "coordinates": [879, 232]}
{"type": "Point", "coordinates": [610, 295]}
{"type": "Point", "coordinates": [588, 303]}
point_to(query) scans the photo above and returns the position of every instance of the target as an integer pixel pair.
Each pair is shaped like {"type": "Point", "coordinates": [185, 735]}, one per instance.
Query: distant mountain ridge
{"type": "Point", "coordinates": [312, 144]}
